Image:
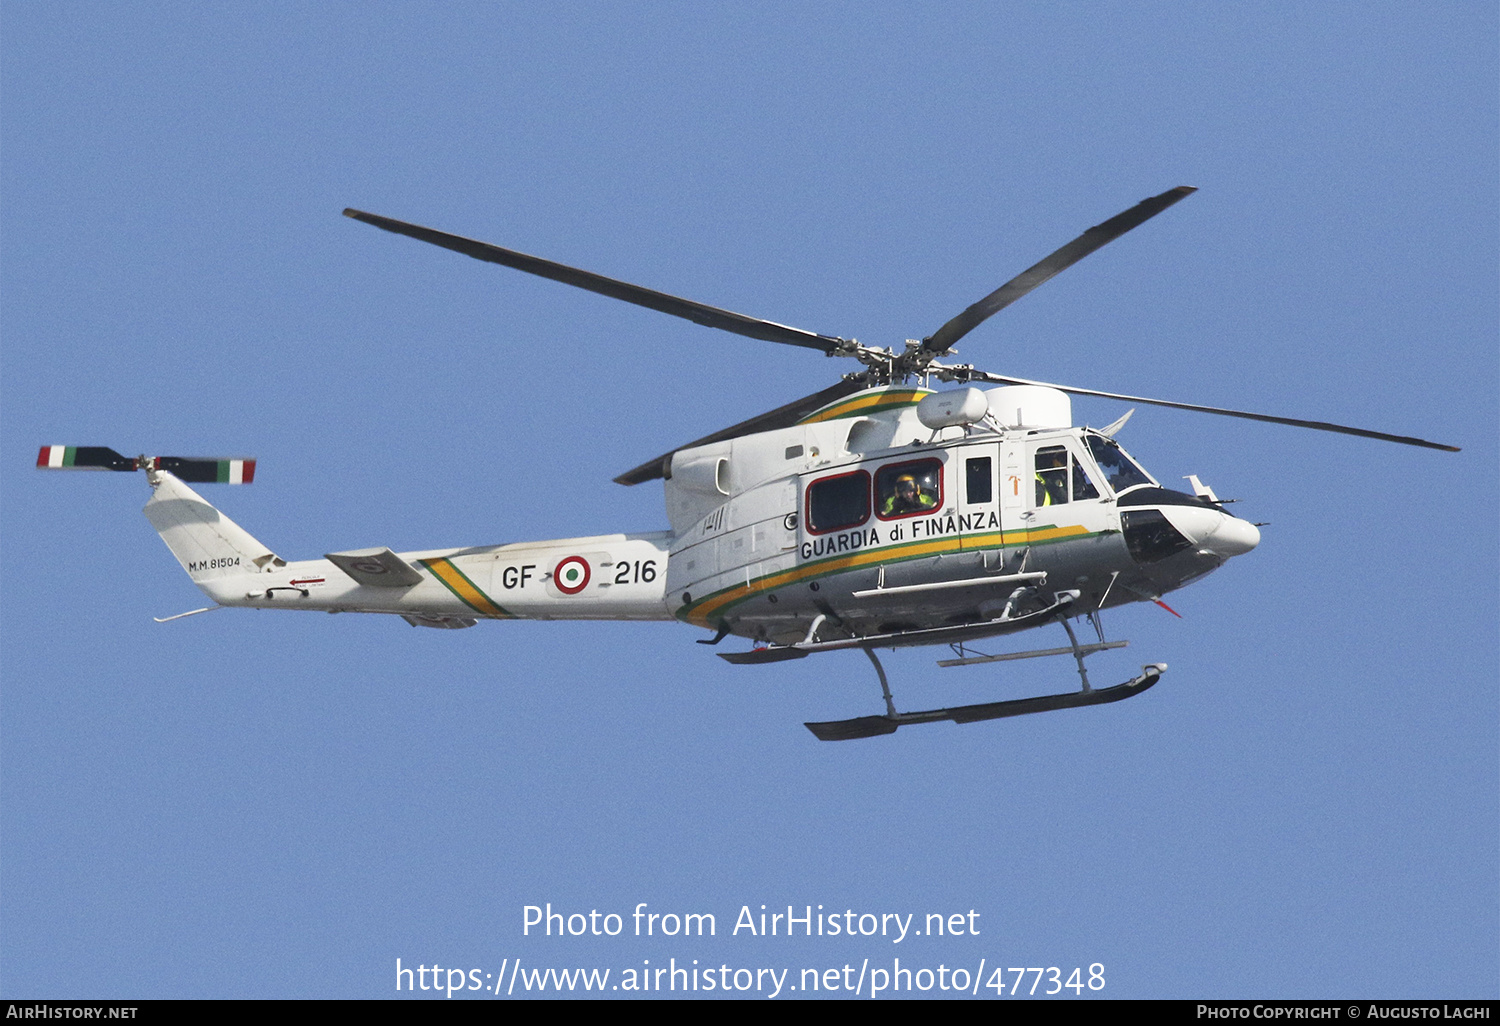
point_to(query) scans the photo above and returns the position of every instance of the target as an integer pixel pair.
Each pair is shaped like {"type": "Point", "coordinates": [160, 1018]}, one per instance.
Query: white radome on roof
{"type": "Point", "coordinates": [1030, 406]}
{"type": "Point", "coordinates": [949, 409]}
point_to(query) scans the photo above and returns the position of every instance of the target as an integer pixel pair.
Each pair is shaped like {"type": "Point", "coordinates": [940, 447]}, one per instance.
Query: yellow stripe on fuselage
{"type": "Point", "coordinates": [701, 612]}
{"type": "Point", "coordinates": [467, 591]}
{"type": "Point", "coordinates": [870, 402]}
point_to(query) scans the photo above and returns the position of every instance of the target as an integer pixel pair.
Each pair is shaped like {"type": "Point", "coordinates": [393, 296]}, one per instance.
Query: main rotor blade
{"type": "Point", "coordinates": [698, 313]}
{"type": "Point", "coordinates": [782, 416]}
{"type": "Point", "coordinates": [944, 338]}
{"type": "Point", "coordinates": [1316, 425]}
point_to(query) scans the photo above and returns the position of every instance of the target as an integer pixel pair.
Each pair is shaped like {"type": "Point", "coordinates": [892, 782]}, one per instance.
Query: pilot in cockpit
{"type": "Point", "coordinates": [1051, 476]}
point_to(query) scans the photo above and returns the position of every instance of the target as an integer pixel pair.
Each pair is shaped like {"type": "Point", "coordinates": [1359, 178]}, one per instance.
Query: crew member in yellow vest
{"type": "Point", "coordinates": [1051, 478]}
{"type": "Point", "coordinates": [907, 498]}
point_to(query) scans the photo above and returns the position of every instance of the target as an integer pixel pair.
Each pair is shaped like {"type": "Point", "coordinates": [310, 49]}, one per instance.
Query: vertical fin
{"type": "Point", "coordinates": [207, 543]}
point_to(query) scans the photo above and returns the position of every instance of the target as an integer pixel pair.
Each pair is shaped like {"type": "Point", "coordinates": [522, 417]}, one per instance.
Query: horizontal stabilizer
{"type": "Point", "coordinates": [379, 568]}
{"type": "Point", "coordinates": [874, 726]}
{"type": "Point", "coordinates": [194, 469]}
{"type": "Point", "coordinates": [442, 622]}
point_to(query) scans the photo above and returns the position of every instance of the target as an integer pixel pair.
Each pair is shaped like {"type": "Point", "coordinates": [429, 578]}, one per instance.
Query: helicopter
{"type": "Point", "coordinates": [876, 513]}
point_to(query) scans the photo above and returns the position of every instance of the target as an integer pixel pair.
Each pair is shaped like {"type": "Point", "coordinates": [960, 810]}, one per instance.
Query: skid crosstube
{"type": "Point", "coordinates": [874, 726]}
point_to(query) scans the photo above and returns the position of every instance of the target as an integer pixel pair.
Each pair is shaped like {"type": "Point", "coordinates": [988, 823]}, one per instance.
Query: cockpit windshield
{"type": "Point", "coordinates": [1120, 470]}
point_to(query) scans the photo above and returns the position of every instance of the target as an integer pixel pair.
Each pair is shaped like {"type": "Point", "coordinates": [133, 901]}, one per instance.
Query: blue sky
{"type": "Point", "coordinates": [260, 804]}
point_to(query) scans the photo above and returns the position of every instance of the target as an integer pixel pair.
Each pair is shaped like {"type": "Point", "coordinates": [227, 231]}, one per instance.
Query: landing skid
{"type": "Point", "coordinates": [874, 726]}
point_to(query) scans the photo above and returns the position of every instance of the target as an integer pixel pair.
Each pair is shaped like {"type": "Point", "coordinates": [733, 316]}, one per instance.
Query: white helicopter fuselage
{"type": "Point", "coordinates": [866, 515]}
{"type": "Point", "coordinates": [1006, 518]}
{"type": "Point", "coordinates": [798, 535]}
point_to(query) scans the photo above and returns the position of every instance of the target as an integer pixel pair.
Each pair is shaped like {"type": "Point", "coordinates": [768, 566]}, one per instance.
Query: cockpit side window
{"type": "Point", "coordinates": [1120, 470]}
{"type": "Point", "coordinates": [1052, 475]}
{"type": "Point", "coordinates": [1083, 488]}
{"type": "Point", "coordinates": [1056, 469]}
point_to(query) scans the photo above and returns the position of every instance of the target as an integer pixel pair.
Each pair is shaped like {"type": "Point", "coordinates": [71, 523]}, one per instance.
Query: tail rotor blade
{"type": "Point", "coordinates": [83, 457]}
{"type": "Point", "coordinates": [205, 470]}
{"type": "Point", "coordinates": [196, 469]}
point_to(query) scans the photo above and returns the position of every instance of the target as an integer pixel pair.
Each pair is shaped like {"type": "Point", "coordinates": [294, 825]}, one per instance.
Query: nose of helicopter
{"type": "Point", "coordinates": [1233, 537]}
{"type": "Point", "coordinates": [1214, 530]}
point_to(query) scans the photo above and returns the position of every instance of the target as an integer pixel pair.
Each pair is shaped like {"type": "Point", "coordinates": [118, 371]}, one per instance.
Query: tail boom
{"type": "Point", "coordinates": [606, 577]}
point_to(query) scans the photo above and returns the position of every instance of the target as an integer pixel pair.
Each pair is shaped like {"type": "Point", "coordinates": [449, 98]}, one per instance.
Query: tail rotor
{"type": "Point", "coordinates": [194, 469]}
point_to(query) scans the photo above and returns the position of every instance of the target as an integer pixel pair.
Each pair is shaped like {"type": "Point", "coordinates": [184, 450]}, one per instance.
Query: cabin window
{"type": "Point", "coordinates": [1120, 470]}
{"type": "Point", "coordinates": [1056, 470]}
{"type": "Point", "coordinates": [839, 502]}
{"type": "Point", "coordinates": [907, 489]}
{"type": "Point", "coordinates": [978, 486]}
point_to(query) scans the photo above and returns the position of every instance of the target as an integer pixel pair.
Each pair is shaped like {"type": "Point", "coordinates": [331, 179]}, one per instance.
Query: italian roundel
{"type": "Point", "coordinates": [571, 575]}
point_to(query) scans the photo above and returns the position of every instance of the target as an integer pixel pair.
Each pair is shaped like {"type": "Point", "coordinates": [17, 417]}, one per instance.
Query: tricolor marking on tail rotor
{"type": "Point", "coordinates": [236, 471]}
{"type": "Point", "coordinates": [56, 457]}
{"type": "Point", "coordinates": [194, 469]}
{"type": "Point", "coordinates": [206, 470]}
{"type": "Point", "coordinates": [83, 457]}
